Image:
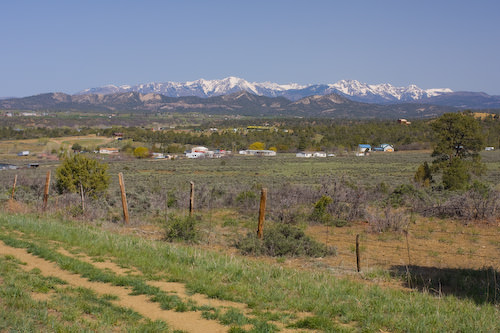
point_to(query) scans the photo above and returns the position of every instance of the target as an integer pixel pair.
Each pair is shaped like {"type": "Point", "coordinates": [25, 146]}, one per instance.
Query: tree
{"type": "Point", "coordinates": [76, 147]}
{"type": "Point", "coordinates": [141, 152]}
{"type": "Point", "coordinates": [79, 172]}
{"type": "Point", "coordinates": [458, 140]}
{"type": "Point", "coordinates": [257, 146]}
{"type": "Point", "coordinates": [423, 176]}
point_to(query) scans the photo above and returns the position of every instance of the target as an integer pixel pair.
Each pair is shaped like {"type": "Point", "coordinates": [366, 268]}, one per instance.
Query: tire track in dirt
{"type": "Point", "coordinates": [187, 321]}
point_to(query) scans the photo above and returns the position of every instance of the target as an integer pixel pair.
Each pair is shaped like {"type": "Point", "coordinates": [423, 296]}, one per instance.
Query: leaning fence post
{"type": "Point", "coordinates": [191, 200]}
{"type": "Point", "coordinates": [358, 263]}
{"type": "Point", "coordinates": [262, 212]}
{"type": "Point", "coordinates": [14, 187]}
{"type": "Point", "coordinates": [124, 199]}
{"type": "Point", "coordinates": [46, 191]}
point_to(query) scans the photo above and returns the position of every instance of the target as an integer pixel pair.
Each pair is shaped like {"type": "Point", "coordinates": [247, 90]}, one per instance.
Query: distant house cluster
{"type": "Point", "coordinates": [309, 154]}
{"type": "Point", "coordinates": [255, 152]}
{"type": "Point", "coordinates": [204, 152]}
{"type": "Point", "coordinates": [366, 149]}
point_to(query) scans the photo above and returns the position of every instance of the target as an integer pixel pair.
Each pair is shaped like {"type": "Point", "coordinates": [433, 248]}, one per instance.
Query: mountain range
{"type": "Point", "coordinates": [238, 103]}
{"type": "Point", "coordinates": [234, 96]}
{"type": "Point", "coordinates": [352, 89]}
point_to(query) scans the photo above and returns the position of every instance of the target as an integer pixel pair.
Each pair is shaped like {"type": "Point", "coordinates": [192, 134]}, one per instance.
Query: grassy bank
{"type": "Point", "coordinates": [332, 303]}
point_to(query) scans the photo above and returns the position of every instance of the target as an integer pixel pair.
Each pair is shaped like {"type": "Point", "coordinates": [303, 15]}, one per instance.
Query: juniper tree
{"type": "Point", "coordinates": [458, 141]}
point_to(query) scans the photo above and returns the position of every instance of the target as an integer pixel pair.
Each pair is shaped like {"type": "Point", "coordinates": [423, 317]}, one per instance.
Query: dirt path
{"type": "Point", "coordinates": [187, 321]}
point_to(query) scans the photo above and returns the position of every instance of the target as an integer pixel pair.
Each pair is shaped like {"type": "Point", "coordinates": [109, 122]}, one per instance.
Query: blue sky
{"type": "Point", "coordinates": [67, 46]}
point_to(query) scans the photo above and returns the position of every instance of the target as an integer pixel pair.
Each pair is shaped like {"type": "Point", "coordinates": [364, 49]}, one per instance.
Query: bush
{"type": "Point", "coordinates": [389, 220]}
{"type": "Point", "coordinates": [141, 152]}
{"type": "Point", "coordinates": [283, 240]}
{"type": "Point", "coordinates": [182, 229]}
{"type": "Point", "coordinates": [79, 172]}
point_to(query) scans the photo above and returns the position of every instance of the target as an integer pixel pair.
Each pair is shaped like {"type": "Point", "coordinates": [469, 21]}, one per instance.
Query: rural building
{"type": "Point", "coordinates": [252, 152]}
{"type": "Point", "coordinates": [304, 154]}
{"type": "Point", "coordinates": [489, 148]}
{"type": "Point", "coordinates": [199, 149]}
{"type": "Point", "coordinates": [307, 154]}
{"type": "Point", "coordinates": [363, 149]}
{"type": "Point", "coordinates": [157, 155]}
{"type": "Point", "coordinates": [195, 155]}
{"type": "Point", "coordinates": [404, 121]}
{"type": "Point", "coordinates": [108, 151]}
{"type": "Point", "coordinates": [387, 147]}
{"type": "Point", "coordinates": [23, 153]}
{"type": "Point", "coordinates": [384, 147]}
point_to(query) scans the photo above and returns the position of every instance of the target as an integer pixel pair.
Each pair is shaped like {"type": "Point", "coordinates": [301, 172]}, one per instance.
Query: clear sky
{"type": "Point", "coordinates": [67, 46]}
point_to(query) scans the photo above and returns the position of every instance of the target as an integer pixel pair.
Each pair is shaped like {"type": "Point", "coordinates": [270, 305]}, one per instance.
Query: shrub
{"type": "Point", "coordinates": [423, 176]}
{"type": "Point", "coordinates": [283, 240]}
{"type": "Point", "coordinates": [320, 213]}
{"type": "Point", "coordinates": [141, 152]}
{"type": "Point", "coordinates": [79, 172]}
{"type": "Point", "coordinates": [389, 220]}
{"type": "Point", "coordinates": [182, 228]}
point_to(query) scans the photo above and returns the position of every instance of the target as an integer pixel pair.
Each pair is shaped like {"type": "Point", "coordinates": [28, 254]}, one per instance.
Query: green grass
{"type": "Point", "coordinates": [63, 309]}
{"type": "Point", "coordinates": [262, 286]}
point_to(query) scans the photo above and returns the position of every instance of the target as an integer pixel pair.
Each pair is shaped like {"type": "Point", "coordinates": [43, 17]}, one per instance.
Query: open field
{"type": "Point", "coordinates": [442, 275]}
{"type": "Point", "coordinates": [10, 148]}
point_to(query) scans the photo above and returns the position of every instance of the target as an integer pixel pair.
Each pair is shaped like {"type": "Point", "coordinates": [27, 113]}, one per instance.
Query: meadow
{"type": "Point", "coordinates": [438, 273]}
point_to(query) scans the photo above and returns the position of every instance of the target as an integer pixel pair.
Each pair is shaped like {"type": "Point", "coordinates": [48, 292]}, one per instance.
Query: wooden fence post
{"type": "Point", "coordinates": [46, 191]}
{"type": "Point", "coordinates": [191, 200]}
{"type": "Point", "coordinates": [262, 213]}
{"type": "Point", "coordinates": [124, 199]}
{"type": "Point", "coordinates": [14, 187]}
{"type": "Point", "coordinates": [358, 263]}
{"type": "Point", "coordinates": [82, 197]}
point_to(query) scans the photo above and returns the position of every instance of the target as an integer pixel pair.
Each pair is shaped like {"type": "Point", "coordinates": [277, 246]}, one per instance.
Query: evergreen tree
{"type": "Point", "coordinates": [458, 140]}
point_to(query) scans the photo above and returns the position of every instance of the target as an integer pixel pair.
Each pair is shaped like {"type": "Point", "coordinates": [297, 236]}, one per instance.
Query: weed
{"type": "Point", "coordinates": [182, 228]}
{"type": "Point", "coordinates": [283, 240]}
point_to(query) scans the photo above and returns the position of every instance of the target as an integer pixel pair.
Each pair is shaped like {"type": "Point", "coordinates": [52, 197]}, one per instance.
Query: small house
{"type": "Point", "coordinates": [195, 155]}
{"type": "Point", "coordinates": [304, 154]}
{"type": "Point", "coordinates": [108, 151]}
{"type": "Point", "coordinates": [157, 155]}
{"type": "Point", "coordinates": [319, 154]}
{"type": "Point", "coordinates": [387, 147]}
{"type": "Point", "coordinates": [256, 152]}
{"type": "Point", "coordinates": [489, 148]}
{"type": "Point", "coordinates": [23, 153]}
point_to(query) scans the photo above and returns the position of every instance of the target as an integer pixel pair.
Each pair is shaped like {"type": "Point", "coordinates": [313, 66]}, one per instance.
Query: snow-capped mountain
{"type": "Point", "coordinates": [355, 90]}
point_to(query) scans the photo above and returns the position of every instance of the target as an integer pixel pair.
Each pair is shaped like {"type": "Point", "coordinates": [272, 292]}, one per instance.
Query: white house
{"type": "Point", "coordinates": [158, 155]}
{"type": "Point", "coordinates": [253, 152]}
{"type": "Point", "coordinates": [195, 155]}
{"type": "Point", "coordinates": [108, 151]}
{"type": "Point", "coordinates": [304, 154]}
{"type": "Point", "coordinates": [199, 149]}
{"type": "Point", "coordinates": [23, 153]}
{"type": "Point", "coordinates": [387, 147]}
{"type": "Point", "coordinates": [319, 154]}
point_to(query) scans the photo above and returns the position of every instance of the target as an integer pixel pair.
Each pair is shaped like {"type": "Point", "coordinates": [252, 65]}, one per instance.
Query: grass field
{"type": "Point", "coordinates": [9, 148]}
{"type": "Point", "coordinates": [64, 270]}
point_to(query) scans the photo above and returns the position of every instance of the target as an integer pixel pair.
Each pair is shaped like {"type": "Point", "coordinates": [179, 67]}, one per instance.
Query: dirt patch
{"type": "Point", "coordinates": [188, 321]}
{"type": "Point", "coordinates": [106, 265]}
{"type": "Point", "coordinates": [13, 206]}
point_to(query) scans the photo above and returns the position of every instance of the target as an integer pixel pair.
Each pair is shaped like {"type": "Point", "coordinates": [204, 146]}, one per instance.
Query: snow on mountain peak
{"type": "Point", "coordinates": [377, 93]}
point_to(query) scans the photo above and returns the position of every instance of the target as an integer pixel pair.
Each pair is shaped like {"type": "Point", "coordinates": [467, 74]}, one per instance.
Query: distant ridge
{"type": "Point", "coordinates": [352, 89]}
{"type": "Point", "coordinates": [237, 103]}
